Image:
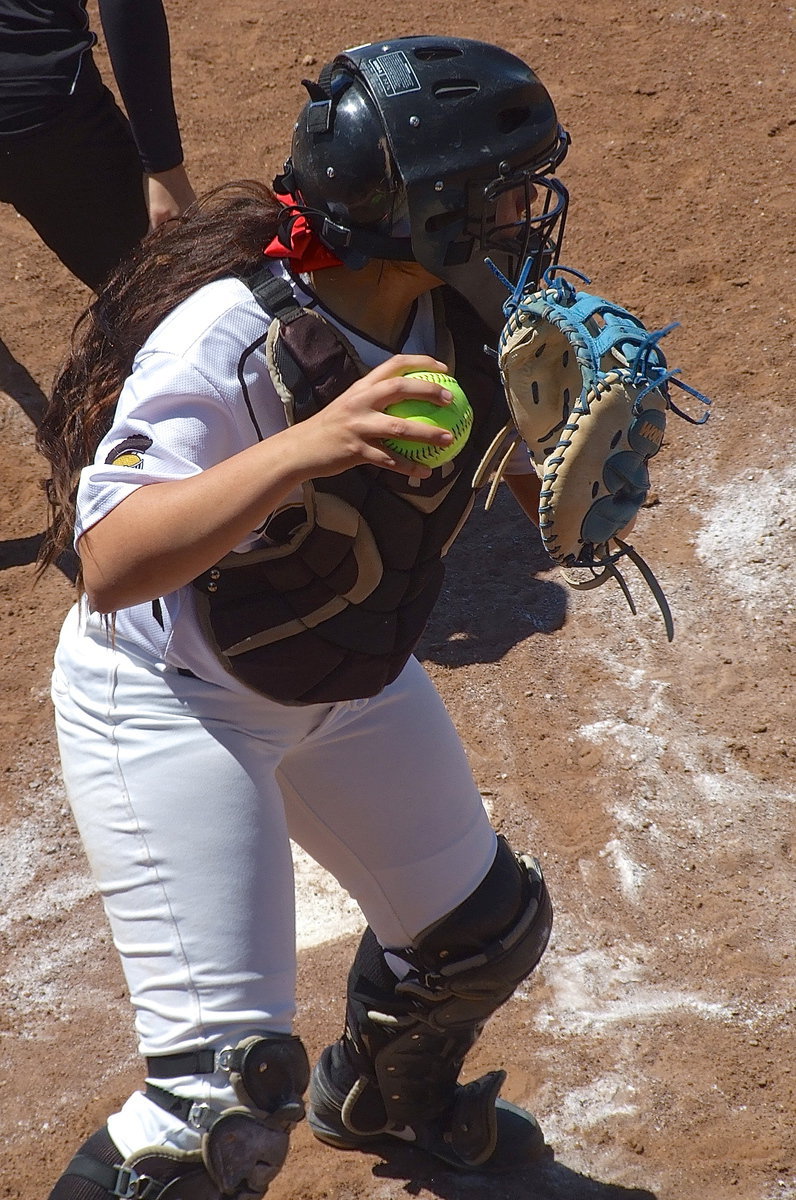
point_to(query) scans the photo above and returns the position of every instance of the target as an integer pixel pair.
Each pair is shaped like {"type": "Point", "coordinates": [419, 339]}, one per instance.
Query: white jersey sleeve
{"type": "Point", "coordinates": [199, 392]}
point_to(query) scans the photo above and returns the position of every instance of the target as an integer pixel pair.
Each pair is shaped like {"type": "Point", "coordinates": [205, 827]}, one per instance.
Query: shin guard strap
{"type": "Point", "coordinates": [119, 1182]}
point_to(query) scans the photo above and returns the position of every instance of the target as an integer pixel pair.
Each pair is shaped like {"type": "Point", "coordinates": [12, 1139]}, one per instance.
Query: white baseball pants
{"type": "Point", "coordinates": [185, 795]}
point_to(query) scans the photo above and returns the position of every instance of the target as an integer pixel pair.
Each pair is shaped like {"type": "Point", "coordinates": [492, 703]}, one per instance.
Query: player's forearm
{"type": "Point", "coordinates": [165, 534]}
{"type": "Point", "coordinates": [167, 194]}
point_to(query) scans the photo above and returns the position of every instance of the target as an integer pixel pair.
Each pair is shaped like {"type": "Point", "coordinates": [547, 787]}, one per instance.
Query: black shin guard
{"type": "Point", "coordinates": [242, 1148]}
{"type": "Point", "coordinates": [98, 1172]}
{"type": "Point", "coordinates": [397, 1066]}
{"type": "Point", "coordinates": [99, 1150]}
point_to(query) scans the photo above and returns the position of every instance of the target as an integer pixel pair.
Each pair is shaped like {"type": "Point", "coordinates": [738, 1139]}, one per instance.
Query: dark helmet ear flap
{"type": "Point", "coordinates": [341, 164]}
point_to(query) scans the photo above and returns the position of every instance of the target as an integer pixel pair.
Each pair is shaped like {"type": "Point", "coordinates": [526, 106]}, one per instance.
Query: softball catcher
{"type": "Point", "coordinates": [216, 442]}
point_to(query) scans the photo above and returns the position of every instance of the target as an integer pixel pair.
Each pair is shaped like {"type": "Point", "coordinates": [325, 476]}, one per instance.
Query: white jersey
{"type": "Point", "coordinates": [200, 392]}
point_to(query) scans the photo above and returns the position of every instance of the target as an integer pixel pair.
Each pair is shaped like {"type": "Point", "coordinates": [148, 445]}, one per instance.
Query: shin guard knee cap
{"type": "Point", "coordinates": [477, 983]}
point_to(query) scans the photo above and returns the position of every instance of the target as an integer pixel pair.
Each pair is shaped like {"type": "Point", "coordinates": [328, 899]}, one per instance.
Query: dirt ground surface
{"type": "Point", "coordinates": [655, 781]}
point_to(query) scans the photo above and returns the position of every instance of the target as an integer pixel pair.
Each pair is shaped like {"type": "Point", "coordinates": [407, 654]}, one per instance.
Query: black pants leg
{"type": "Point", "coordinates": [79, 183]}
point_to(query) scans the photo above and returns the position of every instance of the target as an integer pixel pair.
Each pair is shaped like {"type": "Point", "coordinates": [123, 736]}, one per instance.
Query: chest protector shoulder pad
{"type": "Point", "coordinates": [335, 601]}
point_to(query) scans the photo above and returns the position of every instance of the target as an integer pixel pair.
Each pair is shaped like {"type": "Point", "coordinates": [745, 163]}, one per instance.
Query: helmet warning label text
{"type": "Point", "coordinates": [393, 73]}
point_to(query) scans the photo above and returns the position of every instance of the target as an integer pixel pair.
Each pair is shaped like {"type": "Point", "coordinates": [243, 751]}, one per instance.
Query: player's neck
{"type": "Point", "coordinates": [376, 300]}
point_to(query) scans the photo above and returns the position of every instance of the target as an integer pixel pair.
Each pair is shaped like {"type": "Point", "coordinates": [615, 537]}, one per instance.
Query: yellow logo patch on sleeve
{"type": "Point", "coordinates": [130, 452]}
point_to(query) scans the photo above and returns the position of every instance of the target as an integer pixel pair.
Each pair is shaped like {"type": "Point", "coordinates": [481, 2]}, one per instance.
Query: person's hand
{"type": "Point", "coordinates": [167, 194]}
{"type": "Point", "coordinates": [351, 430]}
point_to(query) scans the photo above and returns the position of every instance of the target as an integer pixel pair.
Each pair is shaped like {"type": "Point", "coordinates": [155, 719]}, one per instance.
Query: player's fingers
{"type": "Point", "coordinates": [405, 429]}
{"type": "Point", "coordinates": [387, 383]}
{"type": "Point", "coordinates": [391, 391]}
{"type": "Point", "coordinates": [389, 460]}
{"type": "Point", "coordinates": [377, 426]}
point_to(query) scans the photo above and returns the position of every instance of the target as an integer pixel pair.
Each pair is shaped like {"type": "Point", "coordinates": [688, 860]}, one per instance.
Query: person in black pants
{"type": "Point", "coordinates": [90, 180]}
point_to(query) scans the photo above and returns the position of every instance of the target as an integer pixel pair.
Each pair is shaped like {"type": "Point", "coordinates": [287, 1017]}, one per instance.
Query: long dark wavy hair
{"type": "Point", "coordinates": [221, 234]}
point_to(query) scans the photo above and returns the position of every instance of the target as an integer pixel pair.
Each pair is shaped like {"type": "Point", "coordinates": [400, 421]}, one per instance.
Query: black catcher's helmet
{"type": "Point", "coordinates": [434, 150]}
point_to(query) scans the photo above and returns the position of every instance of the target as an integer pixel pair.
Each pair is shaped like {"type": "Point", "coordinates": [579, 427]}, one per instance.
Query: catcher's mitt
{"type": "Point", "coordinates": [588, 390]}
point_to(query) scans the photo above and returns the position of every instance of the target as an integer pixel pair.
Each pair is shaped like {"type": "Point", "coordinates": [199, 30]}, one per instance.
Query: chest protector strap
{"type": "Point", "coordinates": [334, 602]}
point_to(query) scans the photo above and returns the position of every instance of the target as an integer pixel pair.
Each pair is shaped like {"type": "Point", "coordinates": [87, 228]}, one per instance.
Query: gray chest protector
{"type": "Point", "coordinates": [334, 605]}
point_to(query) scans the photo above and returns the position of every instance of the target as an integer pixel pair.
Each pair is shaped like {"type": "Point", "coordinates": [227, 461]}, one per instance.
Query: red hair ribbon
{"type": "Point", "coordinates": [305, 251]}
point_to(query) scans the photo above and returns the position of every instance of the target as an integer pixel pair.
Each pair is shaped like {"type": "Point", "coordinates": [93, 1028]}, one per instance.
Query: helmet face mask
{"type": "Point", "coordinates": [521, 216]}
{"type": "Point", "coordinates": [437, 150]}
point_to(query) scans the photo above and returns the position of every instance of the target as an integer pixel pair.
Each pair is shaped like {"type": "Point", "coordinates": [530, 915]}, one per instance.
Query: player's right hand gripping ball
{"type": "Point", "coordinates": [457, 417]}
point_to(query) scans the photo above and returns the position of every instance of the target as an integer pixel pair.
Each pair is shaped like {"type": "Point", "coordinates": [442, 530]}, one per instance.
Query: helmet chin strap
{"type": "Point", "coordinates": [353, 247]}
{"type": "Point", "coordinates": [357, 246]}
{"type": "Point", "coordinates": [298, 242]}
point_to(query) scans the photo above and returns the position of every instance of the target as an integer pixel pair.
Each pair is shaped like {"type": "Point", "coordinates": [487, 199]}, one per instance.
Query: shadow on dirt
{"type": "Point", "coordinates": [549, 1180]}
{"type": "Point", "coordinates": [21, 552]}
{"type": "Point", "coordinates": [495, 593]}
{"type": "Point", "coordinates": [17, 382]}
